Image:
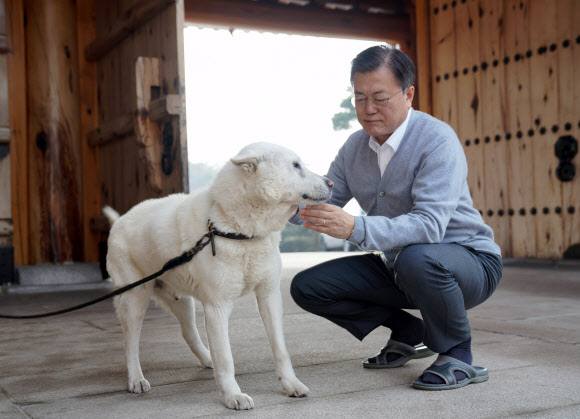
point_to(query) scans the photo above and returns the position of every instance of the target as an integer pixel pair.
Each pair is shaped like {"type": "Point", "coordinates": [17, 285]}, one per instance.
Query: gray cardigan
{"type": "Point", "coordinates": [422, 196]}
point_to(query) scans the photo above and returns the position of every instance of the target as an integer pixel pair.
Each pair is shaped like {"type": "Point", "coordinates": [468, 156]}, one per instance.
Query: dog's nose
{"type": "Point", "coordinates": [329, 182]}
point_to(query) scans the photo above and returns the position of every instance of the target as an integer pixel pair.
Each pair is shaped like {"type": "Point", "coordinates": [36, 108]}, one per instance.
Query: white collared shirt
{"type": "Point", "coordinates": [386, 152]}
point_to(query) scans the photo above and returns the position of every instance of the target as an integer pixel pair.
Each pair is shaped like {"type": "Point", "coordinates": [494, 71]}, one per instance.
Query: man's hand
{"type": "Point", "coordinates": [328, 219]}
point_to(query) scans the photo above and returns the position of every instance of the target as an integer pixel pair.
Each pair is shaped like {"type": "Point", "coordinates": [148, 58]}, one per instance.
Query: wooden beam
{"type": "Point", "coordinates": [165, 107]}
{"type": "Point", "coordinates": [54, 158]}
{"type": "Point", "coordinates": [179, 122]}
{"type": "Point", "coordinates": [381, 6]}
{"type": "Point", "coordinates": [409, 46]}
{"type": "Point", "coordinates": [159, 109]}
{"type": "Point", "coordinates": [18, 128]}
{"type": "Point", "coordinates": [423, 63]}
{"type": "Point", "coordinates": [89, 106]}
{"type": "Point", "coordinates": [112, 130]}
{"type": "Point", "coordinates": [147, 132]}
{"type": "Point", "coordinates": [295, 19]}
{"type": "Point", "coordinates": [133, 18]}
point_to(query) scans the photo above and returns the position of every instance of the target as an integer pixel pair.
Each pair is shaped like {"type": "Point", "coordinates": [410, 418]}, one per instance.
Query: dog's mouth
{"type": "Point", "coordinates": [319, 199]}
{"type": "Point", "coordinates": [318, 194]}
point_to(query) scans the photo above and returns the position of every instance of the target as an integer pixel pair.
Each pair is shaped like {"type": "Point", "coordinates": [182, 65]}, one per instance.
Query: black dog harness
{"type": "Point", "coordinates": [206, 239]}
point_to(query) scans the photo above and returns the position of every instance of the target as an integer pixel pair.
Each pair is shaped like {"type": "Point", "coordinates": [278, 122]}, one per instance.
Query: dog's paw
{"type": "Point", "coordinates": [206, 360]}
{"type": "Point", "coordinates": [294, 388]}
{"type": "Point", "coordinates": [139, 386]}
{"type": "Point", "coordinates": [239, 402]}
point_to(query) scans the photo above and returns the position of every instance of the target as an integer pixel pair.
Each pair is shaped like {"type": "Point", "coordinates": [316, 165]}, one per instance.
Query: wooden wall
{"type": "Point", "coordinates": [503, 78]}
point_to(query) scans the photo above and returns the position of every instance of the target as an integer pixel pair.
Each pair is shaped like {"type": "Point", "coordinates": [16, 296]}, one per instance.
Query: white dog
{"type": "Point", "coordinates": [253, 195]}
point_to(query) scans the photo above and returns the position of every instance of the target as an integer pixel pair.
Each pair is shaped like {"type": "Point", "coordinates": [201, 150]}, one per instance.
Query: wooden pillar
{"type": "Point", "coordinates": [17, 122]}
{"type": "Point", "coordinates": [54, 141]}
{"type": "Point", "coordinates": [89, 120]}
{"type": "Point", "coordinates": [408, 46]}
{"type": "Point", "coordinates": [420, 25]}
{"type": "Point", "coordinates": [416, 45]}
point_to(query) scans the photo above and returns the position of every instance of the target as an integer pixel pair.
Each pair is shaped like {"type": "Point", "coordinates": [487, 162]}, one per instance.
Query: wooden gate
{"type": "Point", "coordinates": [141, 135]}
{"type": "Point", "coordinates": [96, 117]}
{"type": "Point", "coordinates": [503, 78]}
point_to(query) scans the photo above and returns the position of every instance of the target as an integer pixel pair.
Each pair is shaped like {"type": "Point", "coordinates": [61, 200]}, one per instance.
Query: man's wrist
{"type": "Point", "coordinates": [357, 235]}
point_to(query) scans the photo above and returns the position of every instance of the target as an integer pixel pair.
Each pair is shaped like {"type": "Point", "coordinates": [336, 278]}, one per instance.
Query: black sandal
{"type": "Point", "coordinates": [444, 367]}
{"type": "Point", "coordinates": [407, 353]}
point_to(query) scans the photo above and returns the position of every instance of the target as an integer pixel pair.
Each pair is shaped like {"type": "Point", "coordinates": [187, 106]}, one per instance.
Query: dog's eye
{"type": "Point", "coordinates": [296, 165]}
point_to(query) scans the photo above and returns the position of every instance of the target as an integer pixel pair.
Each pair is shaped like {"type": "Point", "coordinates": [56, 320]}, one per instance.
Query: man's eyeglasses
{"type": "Point", "coordinates": [360, 102]}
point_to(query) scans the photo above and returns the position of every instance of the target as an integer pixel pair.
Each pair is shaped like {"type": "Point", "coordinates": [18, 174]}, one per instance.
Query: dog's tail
{"type": "Point", "coordinates": [111, 214]}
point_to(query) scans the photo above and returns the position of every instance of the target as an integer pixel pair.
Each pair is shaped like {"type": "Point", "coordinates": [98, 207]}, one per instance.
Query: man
{"type": "Point", "coordinates": [408, 172]}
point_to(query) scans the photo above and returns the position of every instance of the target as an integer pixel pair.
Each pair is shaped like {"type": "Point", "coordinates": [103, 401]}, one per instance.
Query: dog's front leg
{"type": "Point", "coordinates": [270, 306]}
{"type": "Point", "coordinates": [216, 324]}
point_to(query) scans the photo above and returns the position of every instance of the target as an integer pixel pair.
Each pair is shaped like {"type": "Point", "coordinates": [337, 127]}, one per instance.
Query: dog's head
{"type": "Point", "coordinates": [275, 174]}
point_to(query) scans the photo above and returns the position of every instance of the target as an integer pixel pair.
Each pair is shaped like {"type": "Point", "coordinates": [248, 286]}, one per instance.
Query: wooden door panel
{"type": "Point", "coordinates": [518, 117]}
{"type": "Point", "coordinates": [515, 62]}
{"type": "Point", "coordinates": [139, 158]}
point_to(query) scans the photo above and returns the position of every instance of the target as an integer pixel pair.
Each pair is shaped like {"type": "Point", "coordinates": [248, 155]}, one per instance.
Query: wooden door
{"type": "Point", "coordinates": [503, 78]}
{"type": "Point", "coordinates": [141, 135]}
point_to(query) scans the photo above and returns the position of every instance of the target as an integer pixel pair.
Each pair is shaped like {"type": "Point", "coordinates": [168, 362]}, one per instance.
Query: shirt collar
{"type": "Point", "coordinates": [395, 139]}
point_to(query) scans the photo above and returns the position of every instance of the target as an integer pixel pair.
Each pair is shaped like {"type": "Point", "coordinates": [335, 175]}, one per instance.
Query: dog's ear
{"type": "Point", "coordinates": [248, 163]}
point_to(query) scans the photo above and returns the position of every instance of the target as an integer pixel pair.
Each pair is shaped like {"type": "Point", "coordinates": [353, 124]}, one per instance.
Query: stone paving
{"type": "Point", "coordinates": [72, 366]}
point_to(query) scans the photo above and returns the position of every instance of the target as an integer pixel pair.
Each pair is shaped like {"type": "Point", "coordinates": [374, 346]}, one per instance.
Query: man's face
{"type": "Point", "coordinates": [381, 122]}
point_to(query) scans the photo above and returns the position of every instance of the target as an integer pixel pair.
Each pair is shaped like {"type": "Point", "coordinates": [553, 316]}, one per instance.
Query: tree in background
{"type": "Point", "coordinates": [342, 119]}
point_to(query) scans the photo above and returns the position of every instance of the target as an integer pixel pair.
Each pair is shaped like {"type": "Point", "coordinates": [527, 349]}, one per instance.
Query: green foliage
{"type": "Point", "coordinates": [343, 119]}
{"type": "Point", "coordinates": [298, 239]}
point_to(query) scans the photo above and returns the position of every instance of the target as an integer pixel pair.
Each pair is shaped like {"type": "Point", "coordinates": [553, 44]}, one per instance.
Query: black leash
{"type": "Point", "coordinates": [172, 263]}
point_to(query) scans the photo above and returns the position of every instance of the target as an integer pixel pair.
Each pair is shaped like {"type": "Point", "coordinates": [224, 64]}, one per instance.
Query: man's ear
{"type": "Point", "coordinates": [410, 93]}
{"type": "Point", "coordinates": [248, 163]}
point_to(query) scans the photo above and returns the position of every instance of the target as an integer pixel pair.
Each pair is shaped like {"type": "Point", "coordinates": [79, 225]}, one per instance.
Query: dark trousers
{"type": "Point", "coordinates": [359, 293]}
